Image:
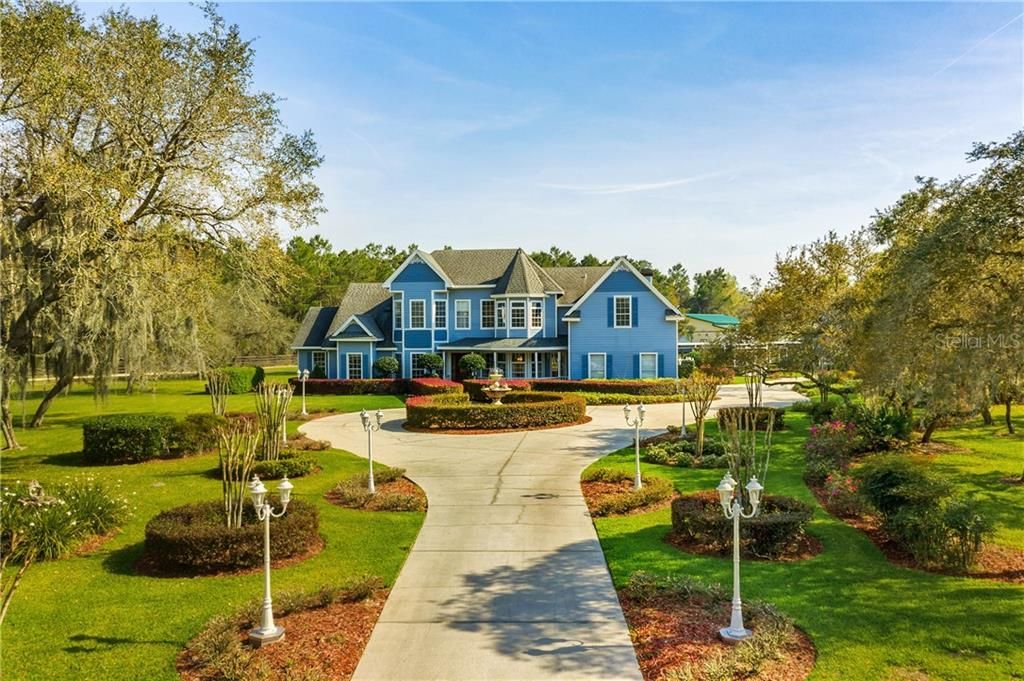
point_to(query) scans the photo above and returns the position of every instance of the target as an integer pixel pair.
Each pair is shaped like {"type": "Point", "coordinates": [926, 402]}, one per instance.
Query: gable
{"type": "Point", "coordinates": [625, 278]}
{"type": "Point", "coordinates": [417, 273]}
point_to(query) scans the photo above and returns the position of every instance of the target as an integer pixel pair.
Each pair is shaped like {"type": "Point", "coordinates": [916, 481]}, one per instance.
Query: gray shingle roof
{"type": "Point", "coordinates": [487, 266]}
{"type": "Point", "coordinates": [505, 344]}
{"type": "Point", "coordinates": [370, 302]}
{"type": "Point", "coordinates": [524, 277]}
{"type": "Point", "coordinates": [314, 327]}
{"type": "Point", "coordinates": [575, 281]}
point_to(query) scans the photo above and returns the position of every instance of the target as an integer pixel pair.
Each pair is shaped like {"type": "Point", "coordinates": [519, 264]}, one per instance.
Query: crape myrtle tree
{"type": "Point", "coordinates": [129, 148]}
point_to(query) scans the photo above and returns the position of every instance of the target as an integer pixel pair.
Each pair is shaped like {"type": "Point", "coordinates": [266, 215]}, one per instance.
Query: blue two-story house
{"type": "Point", "coordinates": [527, 320]}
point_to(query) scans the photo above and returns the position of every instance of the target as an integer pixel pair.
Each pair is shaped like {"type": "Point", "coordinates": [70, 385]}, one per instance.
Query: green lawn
{"type": "Point", "coordinates": [91, 617]}
{"type": "Point", "coordinates": [869, 619]}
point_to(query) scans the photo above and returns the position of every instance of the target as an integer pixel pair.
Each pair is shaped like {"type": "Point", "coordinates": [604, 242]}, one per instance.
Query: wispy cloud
{"type": "Point", "coordinates": [598, 189]}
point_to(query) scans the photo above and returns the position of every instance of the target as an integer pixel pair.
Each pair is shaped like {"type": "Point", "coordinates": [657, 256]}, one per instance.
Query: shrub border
{"type": "Point", "coordinates": [454, 413]}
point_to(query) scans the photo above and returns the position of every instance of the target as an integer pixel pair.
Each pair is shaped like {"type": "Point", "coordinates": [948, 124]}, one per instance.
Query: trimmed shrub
{"type": "Point", "coordinates": [653, 491]}
{"type": "Point", "coordinates": [777, 415]}
{"type": "Point", "coordinates": [891, 483]}
{"type": "Point", "coordinates": [519, 410]}
{"type": "Point", "coordinates": [353, 492]}
{"type": "Point", "coordinates": [195, 433]}
{"type": "Point", "coordinates": [597, 399]}
{"type": "Point", "coordinates": [353, 386]}
{"type": "Point", "coordinates": [126, 438]}
{"type": "Point", "coordinates": [433, 386]}
{"type": "Point", "coordinates": [654, 386]}
{"type": "Point", "coordinates": [194, 537]}
{"type": "Point", "coordinates": [474, 387]}
{"type": "Point", "coordinates": [431, 363]}
{"type": "Point", "coordinates": [828, 450]}
{"type": "Point", "coordinates": [472, 364]}
{"type": "Point", "coordinates": [242, 379]}
{"type": "Point", "coordinates": [681, 453]}
{"type": "Point", "coordinates": [386, 367]}
{"type": "Point", "coordinates": [802, 406]}
{"type": "Point", "coordinates": [699, 519]}
{"type": "Point", "coordinates": [290, 463]}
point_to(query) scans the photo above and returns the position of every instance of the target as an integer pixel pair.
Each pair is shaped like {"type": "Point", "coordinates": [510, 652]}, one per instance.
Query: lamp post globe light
{"type": "Point", "coordinates": [732, 506]}
{"type": "Point", "coordinates": [303, 376]}
{"type": "Point", "coordinates": [370, 428]}
{"type": "Point", "coordinates": [267, 632]}
{"type": "Point", "coordinates": [636, 424]}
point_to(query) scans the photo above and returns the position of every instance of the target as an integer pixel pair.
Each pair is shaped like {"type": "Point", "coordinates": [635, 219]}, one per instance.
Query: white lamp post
{"type": "Point", "coordinates": [636, 423]}
{"type": "Point", "coordinates": [303, 375]}
{"type": "Point", "coordinates": [267, 632]}
{"type": "Point", "coordinates": [369, 427]}
{"type": "Point", "coordinates": [732, 505]}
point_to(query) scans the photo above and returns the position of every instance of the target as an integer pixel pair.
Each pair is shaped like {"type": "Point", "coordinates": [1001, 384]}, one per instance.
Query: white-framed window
{"type": "Point", "coordinates": [556, 364]}
{"type": "Point", "coordinates": [440, 314]}
{"type": "Point", "coordinates": [415, 369]}
{"type": "Point", "coordinates": [355, 364]}
{"type": "Point", "coordinates": [462, 314]}
{"type": "Point", "coordinates": [417, 314]}
{"type": "Point", "coordinates": [537, 365]}
{"type": "Point", "coordinates": [499, 315]}
{"type": "Point", "coordinates": [518, 314]}
{"type": "Point", "coordinates": [596, 364]}
{"type": "Point", "coordinates": [396, 307]}
{"type": "Point", "coordinates": [319, 361]}
{"type": "Point", "coordinates": [623, 311]}
{"type": "Point", "coordinates": [648, 365]}
{"type": "Point", "coordinates": [486, 314]}
{"type": "Point", "coordinates": [536, 314]}
{"type": "Point", "coordinates": [517, 365]}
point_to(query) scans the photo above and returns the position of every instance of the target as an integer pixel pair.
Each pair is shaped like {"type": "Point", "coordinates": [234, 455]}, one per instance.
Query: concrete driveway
{"type": "Point", "coordinates": [506, 580]}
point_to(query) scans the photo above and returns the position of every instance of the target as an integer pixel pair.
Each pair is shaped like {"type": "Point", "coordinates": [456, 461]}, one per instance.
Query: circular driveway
{"type": "Point", "coordinates": [506, 579]}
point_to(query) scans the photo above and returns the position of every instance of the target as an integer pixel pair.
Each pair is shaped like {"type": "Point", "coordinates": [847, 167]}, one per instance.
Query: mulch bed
{"type": "Point", "coordinates": [595, 491]}
{"type": "Point", "coordinates": [998, 563]}
{"type": "Point", "coordinates": [669, 632]}
{"type": "Point", "coordinates": [326, 642]}
{"type": "Point", "coordinates": [807, 546]}
{"type": "Point", "coordinates": [492, 431]}
{"type": "Point", "coordinates": [400, 486]}
{"type": "Point", "coordinates": [150, 566]}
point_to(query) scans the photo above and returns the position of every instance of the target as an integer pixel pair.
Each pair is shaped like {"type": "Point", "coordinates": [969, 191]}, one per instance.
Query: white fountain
{"type": "Point", "coordinates": [497, 389]}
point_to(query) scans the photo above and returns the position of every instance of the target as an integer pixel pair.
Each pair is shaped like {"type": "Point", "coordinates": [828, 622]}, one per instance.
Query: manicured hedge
{"type": "Point", "coordinates": [433, 386]}
{"type": "Point", "coordinates": [654, 386]}
{"type": "Point", "coordinates": [474, 387]}
{"type": "Point", "coordinates": [195, 433]}
{"type": "Point", "coordinates": [242, 379]}
{"type": "Point", "coordinates": [778, 415]}
{"type": "Point", "coordinates": [698, 518]}
{"type": "Point", "coordinates": [597, 399]}
{"type": "Point", "coordinates": [353, 386]}
{"type": "Point", "coordinates": [126, 438]}
{"type": "Point", "coordinates": [194, 537]}
{"type": "Point", "coordinates": [520, 410]}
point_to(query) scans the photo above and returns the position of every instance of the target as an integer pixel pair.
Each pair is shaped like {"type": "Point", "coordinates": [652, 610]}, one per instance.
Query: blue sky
{"type": "Point", "coordinates": [708, 134]}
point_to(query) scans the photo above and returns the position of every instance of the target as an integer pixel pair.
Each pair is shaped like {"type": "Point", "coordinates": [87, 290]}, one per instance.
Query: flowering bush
{"type": "Point", "coordinates": [39, 524]}
{"type": "Point", "coordinates": [842, 497]}
{"type": "Point", "coordinates": [433, 386]}
{"type": "Point", "coordinates": [828, 449]}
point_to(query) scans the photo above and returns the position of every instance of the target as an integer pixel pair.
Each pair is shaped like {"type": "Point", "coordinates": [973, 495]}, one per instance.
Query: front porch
{"type": "Point", "coordinates": [516, 357]}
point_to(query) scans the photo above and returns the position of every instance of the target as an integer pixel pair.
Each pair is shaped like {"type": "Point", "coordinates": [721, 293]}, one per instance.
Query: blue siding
{"type": "Point", "coordinates": [417, 338]}
{"type": "Point", "coordinates": [595, 331]}
{"type": "Point", "coordinates": [474, 296]}
{"type": "Point", "coordinates": [365, 349]}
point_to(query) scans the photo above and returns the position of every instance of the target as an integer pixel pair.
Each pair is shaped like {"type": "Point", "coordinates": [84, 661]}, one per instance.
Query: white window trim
{"type": "Point", "coordinates": [536, 304]}
{"type": "Point", "coordinates": [443, 302]}
{"type": "Point", "coordinates": [641, 367]}
{"type": "Point", "coordinates": [615, 312]}
{"type": "Point", "coordinates": [348, 364]}
{"type": "Point", "coordinates": [397, 312]}
{"type": "Point", "coordinates": [412, 302]}
{"type": "Point", "coordinates": [590, 366]}
{"type": "Point", "coordinates": [518, 305]}
{"type": "Point", "coordinates": [412, 363]}
{"type": "Point", "coordinates": [494, 317]}
{"type": "Point", "coordinates": [469, 313]}
{"type": "Point", "coordinates": [312, 360]}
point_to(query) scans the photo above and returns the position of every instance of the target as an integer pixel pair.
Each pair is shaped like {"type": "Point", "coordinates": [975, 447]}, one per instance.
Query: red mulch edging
{"type": "Point", "coordinates": [807, 546]}
{"type": "Point", "coordinates": [150, 566]}
{"type": "Point", "coordinates": [997, 563]}
{"type": "Point", "coordinates": [327, 641]}
{"type": "Point", "coordinates": [669, 633]}
{"type": "Point", "coordinates": [400, 486]}
{"type": "Point", "coordinates": [595, 491]}
{"type": "Point", "coordinates": [492, 431]}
